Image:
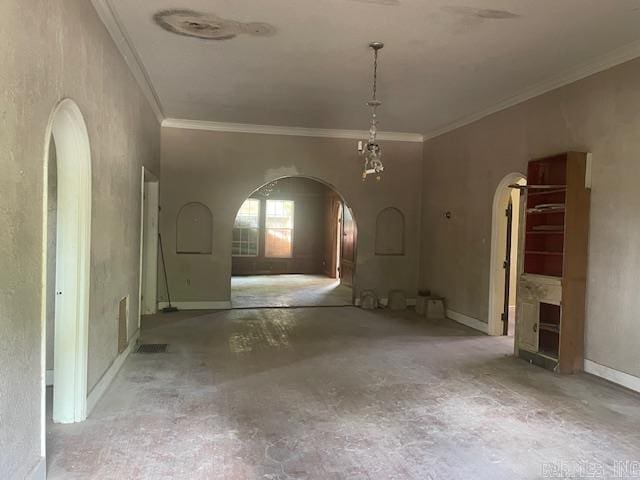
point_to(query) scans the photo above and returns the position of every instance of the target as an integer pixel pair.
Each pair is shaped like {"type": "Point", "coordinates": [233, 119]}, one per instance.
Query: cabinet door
{"type": "Point", "coordinates": [528, 319]}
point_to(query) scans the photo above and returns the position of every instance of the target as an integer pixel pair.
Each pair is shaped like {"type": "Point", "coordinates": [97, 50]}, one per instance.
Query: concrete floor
{"type": "Point", "coordinates": [341, 393]}
{"type": "Point", "coordinates": [288, 291]}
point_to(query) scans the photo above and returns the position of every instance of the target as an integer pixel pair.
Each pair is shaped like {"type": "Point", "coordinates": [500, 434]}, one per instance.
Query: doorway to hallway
{"type": "Point", "coordinates": [66, 260]}
{"type": "Point", "coordinates": [505, 255]}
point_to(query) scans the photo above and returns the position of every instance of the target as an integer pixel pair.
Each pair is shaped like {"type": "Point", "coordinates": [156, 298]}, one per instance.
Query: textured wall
{"type": "Point", "coordinates": [53, 49]}
{"type": "Point", "coordinates": [222, 169]}
{"type": "Point", "coordinates": [600, 114]}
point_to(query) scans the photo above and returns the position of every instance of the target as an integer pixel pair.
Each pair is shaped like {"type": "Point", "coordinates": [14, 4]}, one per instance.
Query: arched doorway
{"type": "Point", "coordinates": [293, 244]}
{"type": "Point", "coordinates": [504, 266]}
{"type": "Point", "coordinates": [67, 241]}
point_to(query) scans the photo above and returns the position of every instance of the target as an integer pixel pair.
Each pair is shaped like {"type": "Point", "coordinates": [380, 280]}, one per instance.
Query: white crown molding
{"type": "Point", "coordinates": [114, 26]}
{"type": "Point", "coordinates": [290, 131]}
{"type": "Point", "coordinates": [605, 62]}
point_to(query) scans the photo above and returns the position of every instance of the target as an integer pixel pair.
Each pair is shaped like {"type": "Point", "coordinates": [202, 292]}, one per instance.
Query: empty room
{"type": "Point", "coordinates": [316, 240]}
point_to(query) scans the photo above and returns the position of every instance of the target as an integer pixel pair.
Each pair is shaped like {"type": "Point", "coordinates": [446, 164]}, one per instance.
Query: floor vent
{"type": "Point", "coordinates": [152, 348]}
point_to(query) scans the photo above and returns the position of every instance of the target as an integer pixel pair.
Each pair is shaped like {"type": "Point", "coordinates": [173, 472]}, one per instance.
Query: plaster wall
{"type": "Point", "coordinates": [222, 169]}
{"type": "Point", "coordinates": [600, 114]}
{"type": "Point", "coordinates": [52, 49]}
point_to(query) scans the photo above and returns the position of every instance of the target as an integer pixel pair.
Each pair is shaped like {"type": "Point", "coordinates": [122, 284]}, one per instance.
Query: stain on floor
{"type": "Point", "coordinates": [340, 393]}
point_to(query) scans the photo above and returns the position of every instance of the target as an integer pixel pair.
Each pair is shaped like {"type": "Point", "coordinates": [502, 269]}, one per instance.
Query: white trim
{"type": "Point", "coordinates": [39, 472]}
{"type": "Point", "coordinates": [67, 127]}
{"type": "Point", "coordinates": [468, 321]}
{"type": "Point", "coordinates": [103, 384]}
{"type": "Point", "coordinates": [384, 301]}
{"type": "Point", "coordinates": [49, 378]}
{"type": "Point", "coordinates": [616, 376]}
{"type": "Point", "coordinates": [588, 174]}
{"type": "Point", "coordinates": [605, 62]}
{"type": "Point", "coordinates": [288, 131]}
{"type": "Point", "coordinates": [209, 305]}
{"type": "Point", "coordinates": [118, 33]}
{"type": "Point", "coordinates": [496, 272]}
{"type": "Point", "coordinates": [149, 213]}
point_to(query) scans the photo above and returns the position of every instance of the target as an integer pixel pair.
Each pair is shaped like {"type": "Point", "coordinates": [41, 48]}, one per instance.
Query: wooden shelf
{"type": "Point", "coordinates": [548, 192]}
{"type": "Point", "coordinates": [544, 253]}
{"type": "Point", "coordinates": [545, 232]}
{"type": "Point", "coordinates": [550, 327]}
{"type": "Point", "coordinates": [546, 211]}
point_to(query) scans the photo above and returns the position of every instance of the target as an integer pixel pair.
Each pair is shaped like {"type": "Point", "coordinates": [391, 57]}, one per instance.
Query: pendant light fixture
{"type": "Point", "coordinates": [370, 149]}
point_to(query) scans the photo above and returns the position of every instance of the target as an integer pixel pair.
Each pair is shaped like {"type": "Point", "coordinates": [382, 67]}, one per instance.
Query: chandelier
{"type": "Point", "coordinates": [370, 149]}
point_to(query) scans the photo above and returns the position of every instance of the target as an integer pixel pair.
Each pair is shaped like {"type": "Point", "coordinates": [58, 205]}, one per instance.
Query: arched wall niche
{"type": "Point", "coordinates": [194, 229]}
{"type": "Point", "coordinates": [390, 226]}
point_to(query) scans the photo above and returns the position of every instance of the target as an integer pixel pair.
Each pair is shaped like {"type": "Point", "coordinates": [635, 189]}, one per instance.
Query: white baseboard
{"type": "Point", "coordinates": [468, 321]}
{"type": "Point", "coordinates": [103, 384]}
{"type": "Point", "coordinates": [39, 472]}
{"type": "Point", "coordinates": [615, 376]}
{"type": "Point", "coordinates": [384, 301]}
{"type": "Point", "coordinates": [49, 377]}
{"type": "Point", "coordinates": [212, 305]}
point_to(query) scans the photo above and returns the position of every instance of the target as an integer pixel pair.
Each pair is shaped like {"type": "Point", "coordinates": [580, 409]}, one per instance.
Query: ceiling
{"type": "Point", "coordinates": [444, 61]}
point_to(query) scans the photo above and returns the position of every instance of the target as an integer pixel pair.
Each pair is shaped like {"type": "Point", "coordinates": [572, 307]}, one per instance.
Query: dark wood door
{"type": "Point", "coordinates": [507, 269]}
{"type": "Point", "coordinates": [348, 249]}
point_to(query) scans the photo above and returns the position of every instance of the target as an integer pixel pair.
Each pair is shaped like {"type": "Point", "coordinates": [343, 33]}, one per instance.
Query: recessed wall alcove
{"type": "Point", "coordinates": [194, 229]}
{"type": "Point", "coordinates": [390, 232]}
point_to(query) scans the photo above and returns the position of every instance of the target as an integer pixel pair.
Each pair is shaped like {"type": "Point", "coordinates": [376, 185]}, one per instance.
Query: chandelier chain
{"type": "Point", "coordinates": [375, 73]}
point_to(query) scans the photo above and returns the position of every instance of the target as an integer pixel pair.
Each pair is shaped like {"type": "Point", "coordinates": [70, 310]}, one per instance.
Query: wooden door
{"type": "Point", "coordinates": [348, 248]}
{"type": "Point", "coordinates": [333, 232]}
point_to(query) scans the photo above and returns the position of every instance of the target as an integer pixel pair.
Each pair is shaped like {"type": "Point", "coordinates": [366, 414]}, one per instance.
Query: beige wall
{"type": "Point", "coordinates": [222, 169]}
{"type": "Point", "coordinates": [53, 49]}
{"type": "Point", "coordinates": [600, 114]}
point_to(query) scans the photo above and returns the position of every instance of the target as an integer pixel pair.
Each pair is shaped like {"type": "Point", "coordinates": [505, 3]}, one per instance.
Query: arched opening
{"type": "Point", "coordinates": [66, 264]}
{"type": "Point", "coordinates": [504, 268]}
{"type": "Point", "coordinates": [293, 244]}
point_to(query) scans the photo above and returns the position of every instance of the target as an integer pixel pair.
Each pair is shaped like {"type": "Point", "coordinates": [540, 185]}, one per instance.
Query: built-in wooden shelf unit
{"type": "Point", "coordinates": [551, 288]}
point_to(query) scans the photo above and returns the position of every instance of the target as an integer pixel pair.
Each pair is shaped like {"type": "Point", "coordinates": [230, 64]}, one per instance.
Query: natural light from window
{"type": "Point", "coordinates": [279, 228]}
{"type": "Point", "coordinates": [246, 229]}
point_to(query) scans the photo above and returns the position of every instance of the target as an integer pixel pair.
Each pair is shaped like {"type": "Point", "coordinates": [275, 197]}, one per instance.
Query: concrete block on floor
{"type": "Point", "coordinates": [397, 300]}
{"type": "Point", "coordinates": [431, 307]}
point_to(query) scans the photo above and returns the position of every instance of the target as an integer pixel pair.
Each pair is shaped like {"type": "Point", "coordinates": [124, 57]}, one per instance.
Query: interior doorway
{"type": "Point", "coordinates": [505, 243]}
{"type": "Point", "coordinates": [66, 266]}
{"type": "Point", "coordinates": [289, 242]}
{"type": "Point", "coordinates": [150, 198]}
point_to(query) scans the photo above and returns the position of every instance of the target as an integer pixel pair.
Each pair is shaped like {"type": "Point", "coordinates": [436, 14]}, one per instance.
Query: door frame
{"type": "Point", "coordinates": [498, 245]}
{"type": "Point", "coordinates": [148, 268]}
{"type": "Point", "coordinates": [73, 264]}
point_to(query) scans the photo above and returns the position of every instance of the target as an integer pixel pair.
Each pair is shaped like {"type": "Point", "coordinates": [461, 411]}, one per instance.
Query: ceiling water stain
{"type": "Point", "coordinates": [208, 26]}
{"type": "Point", "coordinates": [379, 2]}
{"type": "Point", "coordinates": [481, 13]}
{"type": "Point", "coordinates": [466, 18]}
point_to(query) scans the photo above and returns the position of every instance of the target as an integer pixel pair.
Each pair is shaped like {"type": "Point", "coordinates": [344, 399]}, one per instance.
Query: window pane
{"type": "Point", "coordinates": [278, 242]}
{"type": "Point", "coordinates": [279, 214]}
{"type": "Point", "coordinates": [249, 214]}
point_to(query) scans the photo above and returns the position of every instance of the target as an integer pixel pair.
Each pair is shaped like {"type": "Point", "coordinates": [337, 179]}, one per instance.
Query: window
{"type": "Point", "coordinates": [246, 229]}
{"type": "Point", "coordinates": [279, 228]}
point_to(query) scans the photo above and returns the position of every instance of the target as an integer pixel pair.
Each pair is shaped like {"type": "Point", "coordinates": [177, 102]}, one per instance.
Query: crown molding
{"type": "Point", "coordinates": [120, 37]}
{"type": "Point", "coordinates": [287, 131]}
{"type": "Point", "coordinates": [605, 62]}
